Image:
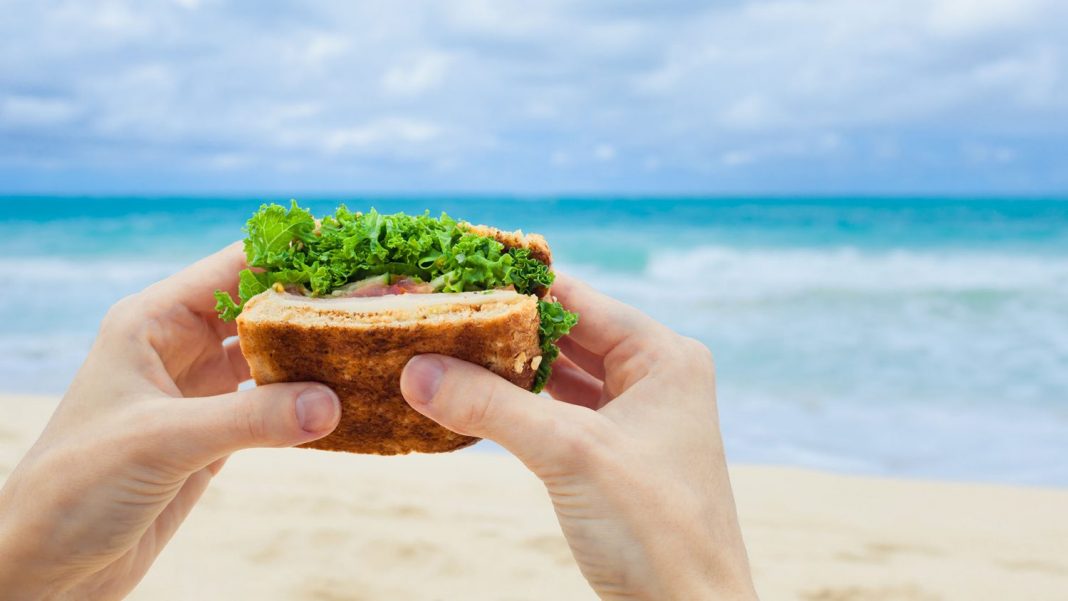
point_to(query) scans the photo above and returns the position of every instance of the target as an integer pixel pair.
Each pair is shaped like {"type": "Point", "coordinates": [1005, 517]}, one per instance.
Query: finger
{"type": "Point", "coordinates": [237, 361]}
{"type": "Point", "coordinates": [194, 286]}
{"type": "Point", "coordinates": [471, 400]}
{"type": "Point", "coordinates": [570, 384]}
{"type": "Point", "coordinates": [215, 371]}
{"type": "Point", "coordinates": [216, 466]}
{"type": "Point", "coordinates": [177, 510]}
{"type": "Point", "coordinates": [276, 415]}
{"type": "Point", "coordinates": [592, 363]}
{"type": "Point", "coordinates": [225, 329]}
{"type": "Point", "coordinates": [604, 322]}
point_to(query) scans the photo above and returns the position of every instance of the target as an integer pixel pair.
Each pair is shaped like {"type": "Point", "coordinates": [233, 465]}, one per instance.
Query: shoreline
{"type": "Point", "coordinates": [307, 525]}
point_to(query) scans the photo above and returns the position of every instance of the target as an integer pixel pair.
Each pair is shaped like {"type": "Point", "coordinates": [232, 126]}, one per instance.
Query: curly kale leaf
{"type": "Point", "coordinates": [286, 246]}
{"type": "Point", "coordinates": [226, 307]}
{"type": "Point", "coordinates": [274, 234]}
{"type": "Point", "coordinates": [350, 246]}
{"type": "Point", "coordinates": [528, 274]}
{"type": "Point", "coordinates": [249, 284]}
{"type": "Point", "coordinates": [556, 321]}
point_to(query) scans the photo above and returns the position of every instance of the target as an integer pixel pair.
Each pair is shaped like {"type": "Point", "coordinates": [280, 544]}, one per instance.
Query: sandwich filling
{"type": "Point", "coordinates": [382, 285]}
{"type": "Point", "coordinates": [356, 255]}
{"type": "Point", "coordinates": [394, 310]}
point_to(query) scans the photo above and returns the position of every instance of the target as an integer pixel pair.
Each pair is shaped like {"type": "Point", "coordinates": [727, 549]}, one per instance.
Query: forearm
{"type": "Point", "coordinates": [24, 574]}
{"type": "Point", "coordinates": [682, 577]}
{"type": "Point", "coordinates": [19, 578]}
{"type": "Point", "coordinates": [700, 582]}
{"type": "Point", "coordinates": [693, 546]}
{"type": "Point", "coordinates": [19, 588]}
{"type": "Point", "coordinates": [693, 572]}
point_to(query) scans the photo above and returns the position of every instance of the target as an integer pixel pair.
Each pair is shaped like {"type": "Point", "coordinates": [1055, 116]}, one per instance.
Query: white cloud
{"type": "Point", "coordinates": [31, 111]}
{"type": "Point", "coordinates": [226, 161]}
{"type": "Point", "coordinates": [986, 154]}
{"type": "Point", "coordinates": [314, 49]}
{"type": "Point", "coordinates": [811, 146]}
{"type": "Point", "coordinates": [512, 88]}
{"type": "Point", "coordinates": [604, 152]}
{"type": "Point", "coordinates": [541, 109]}
{"type": "Point", "coordinates": [504, 18]}
{"type": "Point", "coordinates": [116, 17]}
{"type": "Point", "coordinates": [679, 63]}
{"type": "Point", "coordinates": [139, 102]}
{"type": "Point", "coordinates": [294, 111]}
{"type": "Point", "coordinates": [736, 158]}
{"type": "Point", "coordinates": [1033, 78]}
{"type": "Point", "coordinates": [971, 17]}
{"type": "Point", "coordinates": [416, 76]}
{"type": "Point", "coordinates": [752, 111]}
{"type": "Point", "coordinates": [388, 133]}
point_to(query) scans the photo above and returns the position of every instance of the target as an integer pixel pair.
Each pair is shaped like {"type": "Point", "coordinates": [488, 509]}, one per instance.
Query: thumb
{"type": "Point", "coordinates": [468, 399]}
{"type": "Point", "coordinates": [273, 415]}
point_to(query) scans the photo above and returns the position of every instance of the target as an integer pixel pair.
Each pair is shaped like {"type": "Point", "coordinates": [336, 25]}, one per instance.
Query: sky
{"type": "Point", "coordinates": [548, 97]}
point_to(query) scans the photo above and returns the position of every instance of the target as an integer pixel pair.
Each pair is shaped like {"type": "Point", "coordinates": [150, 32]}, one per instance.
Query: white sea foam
{"type": "Point", "coordinates": [920, 362]}
{"type": "Point", "coordinates": [1015, 444]}
{"type": "Point", "coordinates": [724, 272]}
{"type": "Point", "coordinates": [930, 363]}
{"type": "Point", "coordinates": [50, 310]}
{"type": "Point", "coordinates": [96, 272]}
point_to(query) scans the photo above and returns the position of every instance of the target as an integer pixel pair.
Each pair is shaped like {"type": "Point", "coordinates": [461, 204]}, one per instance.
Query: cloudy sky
{"type": "Point", "coordinates": [612, 96]}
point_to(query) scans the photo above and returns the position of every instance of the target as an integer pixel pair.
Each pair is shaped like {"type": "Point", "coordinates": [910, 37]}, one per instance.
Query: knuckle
{"type": "Point", "coordinates": [116, 315]}
{"type": "Point", "coordinates": [251, 423]}
{"type": "Point", "coordinates": [699, 351]}
{"type": "Point", "coordinates": [478, 410]}
{"type": "Point", "coordinates": [120, 319]}
{"type": "Point", "coordinates": [693, 356]}
{"type": "Point", "coordinates": [574, 439]}
{"type": "Point", "coordinates": [145, 432]}
{"type": "Point", "coordinates": [585, 438]}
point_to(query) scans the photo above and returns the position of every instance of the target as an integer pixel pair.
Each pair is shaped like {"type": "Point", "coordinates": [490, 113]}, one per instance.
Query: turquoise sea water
{"type": "Point", "coordinates": [919, 337]}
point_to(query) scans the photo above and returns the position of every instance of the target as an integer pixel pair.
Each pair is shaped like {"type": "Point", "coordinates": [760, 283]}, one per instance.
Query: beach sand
{"type": "Point", "coordinates": [309, 525]}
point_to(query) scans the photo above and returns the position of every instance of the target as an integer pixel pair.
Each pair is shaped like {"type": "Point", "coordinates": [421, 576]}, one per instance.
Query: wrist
{"type": "Point", "coordinates": [740, 590]}
{"type": "Point", "coordinates": [16, 582]}
{"type": "Point", "coordinates": [708, 561]}
{"type": "Point", "coordinates": [20, 572]}
{"type": "Point", "coordinates": [722, 583]}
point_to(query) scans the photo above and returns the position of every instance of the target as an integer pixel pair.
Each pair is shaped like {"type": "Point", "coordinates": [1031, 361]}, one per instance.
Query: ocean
{"type": "Point", "coordinates": [920, 337]}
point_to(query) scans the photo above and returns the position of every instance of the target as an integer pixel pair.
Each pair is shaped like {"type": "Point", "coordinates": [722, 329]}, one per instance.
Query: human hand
{"type": "Point", "coordinates": [149, 419]}
{"type": "Point", "coordinates": [632, 458]}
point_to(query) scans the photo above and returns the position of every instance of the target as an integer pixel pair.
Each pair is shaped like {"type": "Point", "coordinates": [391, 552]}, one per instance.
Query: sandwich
{"type": "Point", "coordinates": [348, 299]}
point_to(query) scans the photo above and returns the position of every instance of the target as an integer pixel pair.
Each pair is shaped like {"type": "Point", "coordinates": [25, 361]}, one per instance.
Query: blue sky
{"type": "Point", "coordinates": [675, 96]}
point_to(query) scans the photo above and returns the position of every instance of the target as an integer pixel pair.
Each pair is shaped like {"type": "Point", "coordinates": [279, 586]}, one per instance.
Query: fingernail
{"type": "Point", "coordinates": [317, 409]}
{"type": "Point", "coordinates": [423, 374]}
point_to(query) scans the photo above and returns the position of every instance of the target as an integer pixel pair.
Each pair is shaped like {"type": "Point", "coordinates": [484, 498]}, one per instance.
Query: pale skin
{"type": "Point", "coordinates": [629, 451]}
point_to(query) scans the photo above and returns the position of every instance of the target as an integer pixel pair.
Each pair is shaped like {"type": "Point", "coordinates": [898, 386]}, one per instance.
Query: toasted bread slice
{"type": "Point", "coordinates": [359, 346]}
{"type": "Point", "coordinates": [535, 243]}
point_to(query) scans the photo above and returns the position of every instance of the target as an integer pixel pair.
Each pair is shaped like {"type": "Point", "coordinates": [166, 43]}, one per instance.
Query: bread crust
{"type": "Point", "coordinates": [538, 246]}
{"type": "Point", "coordinates": [362, 360]}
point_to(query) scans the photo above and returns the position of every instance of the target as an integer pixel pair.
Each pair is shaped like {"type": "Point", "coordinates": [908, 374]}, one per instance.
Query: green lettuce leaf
{"type": "Point", "coordinates": [275, 233]}
{"type": "Point", "coordinates": [249, 284]}
{"type": "Point", "coordinates": [286, 246]}
{"type": "Point", "coordinates": [226, 307]}
{"type": "Point", "coordinates": [556, 321]}
{"type": "Point", "coordinates": [528, 274]}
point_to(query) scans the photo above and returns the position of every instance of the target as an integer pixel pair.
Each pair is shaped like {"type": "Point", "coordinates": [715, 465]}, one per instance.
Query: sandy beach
{"type": "Point", "coordinates": [309, 525]}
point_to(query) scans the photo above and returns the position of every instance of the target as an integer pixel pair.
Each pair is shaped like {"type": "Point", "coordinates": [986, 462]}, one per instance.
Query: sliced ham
{"type": "Point", "coordinates": [381, 286]}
